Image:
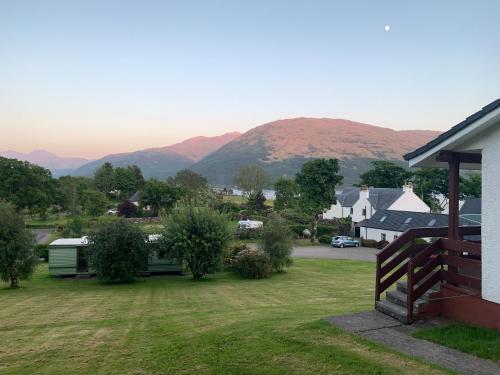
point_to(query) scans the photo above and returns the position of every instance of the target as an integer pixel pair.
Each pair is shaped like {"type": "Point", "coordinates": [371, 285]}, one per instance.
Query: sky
{"type": "Point", "coordinates": [90, 78]}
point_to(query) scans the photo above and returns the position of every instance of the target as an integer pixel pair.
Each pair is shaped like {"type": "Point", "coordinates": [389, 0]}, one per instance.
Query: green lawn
{"type": "Point", "coordinates": [172, 325]}
{"type": "Point", "coordinates": [482, 342]}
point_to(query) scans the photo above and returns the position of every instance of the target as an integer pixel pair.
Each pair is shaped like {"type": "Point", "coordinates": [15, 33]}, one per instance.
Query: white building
{"type": "Point", "coordinates": [363, 203]}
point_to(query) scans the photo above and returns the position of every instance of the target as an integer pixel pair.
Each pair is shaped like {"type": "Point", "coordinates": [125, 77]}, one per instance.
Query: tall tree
{"type": "Point", "coordinates": [431, 185]}
{"type": "Point", "coordinates": [471, 186]}
{"type": "Point", "coordinates": [251, 179]}
{"type": "Point", "coordinates": [17, 258]}
{"type": "Point", "coordinates": [385, 174]}
{"type": "Point", "coordinates": [189, 180]}
{"type": "Point", "coordinates": [26, 185]}
{"type": "Point", "coordinates": [95, 203]}
{"type": "Point", "coordinates": [71, 190]}
{"type": "Point", "coordinates": [158, 195]}
{"type": "Point", "coordinates": [286, 193]}
{"type": "Point", "coordinates": [316, 184]}
{"type": "Point", "coordinates": [104, 178]}
{"type": "Point", "coordinates": [125, 181]}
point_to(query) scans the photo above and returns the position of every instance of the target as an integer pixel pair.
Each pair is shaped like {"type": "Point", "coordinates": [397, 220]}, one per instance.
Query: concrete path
{"type": "Point", "coordinates": [42, 236]}
{"type": "Point", "coordinates": [329, 252]}
{"type": "Point", "coordinates": [388, 331]}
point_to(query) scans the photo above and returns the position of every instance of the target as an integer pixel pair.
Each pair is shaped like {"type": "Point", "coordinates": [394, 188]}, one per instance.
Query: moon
{"type": "Point", "coordinates": [387, 28]}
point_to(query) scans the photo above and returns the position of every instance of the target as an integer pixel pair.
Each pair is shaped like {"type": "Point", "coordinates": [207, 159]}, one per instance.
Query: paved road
{"type": "Point", "coordinates": [328, 252]}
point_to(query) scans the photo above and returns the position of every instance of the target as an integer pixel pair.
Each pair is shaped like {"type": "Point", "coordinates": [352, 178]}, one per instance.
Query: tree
{"type": "Point", "coordinates": [251, 179]}
{"type": "Point", "coordinates": [316, 185]}
{"type": "Point", "coordinates": [286, 192]}
{"type": "Point", "coordinates": [17, 257]}
{"type": "Point", "coordinates": [189, 180]}
{"type": "Point", "coordinates": [26, 185]}
{"type": "Point", "coordinates": [276, 241]}
{"type": "Point", "coordinates": [104, 178]}
{"type": "Point", "coordinates": [95, 203]}
{"type": "Point", "coordinates": [128, 180]}
{"type": "Point", "coordinates": [257, 201]}
{"type": "Point", "coordinates": [127, 209]}
{"type": "Point", "coordinates": [199, 236]}
{"type": "Point", "coordinates": [430, 184]}
{"type": "Point", "coordinates": [158, 195]}
{"type": "Point", "coordinates": [471, 186]}
{"type": "Point", "coordinates": [118, 251]}
{"type": "Point", "coordinates": [71, 191]}
{"type": "Point", "coordinates": [385, 174]}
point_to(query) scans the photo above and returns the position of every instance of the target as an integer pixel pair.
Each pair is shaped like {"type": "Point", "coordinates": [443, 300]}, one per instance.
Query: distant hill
{"type": "Point", "coordinates": [281, 147]}
{"type": "Point", "coordinates": [163, 162]}
{"type": "Point", "coordinates": [56, 164]}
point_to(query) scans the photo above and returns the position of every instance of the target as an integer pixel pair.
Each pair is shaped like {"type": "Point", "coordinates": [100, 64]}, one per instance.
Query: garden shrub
{"type": "Point", "coordinates": [325, 239]}
{"type": "Point", "coordinates": [118, 251]}
{"type": "Point", "coordinates": [248, 233]}
{"type": "Point", "coordinates": [232, 251]}
{"type": "Point", "coordinates": [252, 264]}
{"type": "Point", "coordinates": [276, 242]}
{"type": "Point", "coordinates": [326, 230]}
{"type": "Point", "coordinates": [199, 236]}
{"type": "Point", "coordinates": [369, 243]}
{"type": "Point", "coordinates": [42, 251]}
{"type": "Point", "coordinates": [297, 229]}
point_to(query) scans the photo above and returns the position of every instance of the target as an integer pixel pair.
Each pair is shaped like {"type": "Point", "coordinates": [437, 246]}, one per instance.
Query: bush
{"type": "Point", "coordinates": [232, 251]}
{"type": "Point", "coordinates": [17, 258]}
{"type": "Point", "coordinates": [369, 243]}
{"type": "Point", "coordinates": [276, 242]}
{"type": "Point", "coordinates": [248, 233]}
{"type": "Point", "coordinates": [118, 251]}
{"type": "Point", "coordinates": [326, 230]}
{"type": "Point", "coordinates": [199, 236]}
{"type": "Point", "coordinates": [297, 229]}
{"type": "Point", "coordinates": [74, 228]}
{"type": "Point", "coordinates": [42, 251]}
{"type": "Point", "coordinates": [252, 264]}
{"type": "Point", "coordinates": [325, 239]}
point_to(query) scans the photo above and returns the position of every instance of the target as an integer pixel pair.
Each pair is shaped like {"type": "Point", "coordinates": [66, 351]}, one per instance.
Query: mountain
{"type": "Point", "coordinates": [198, 147]}
{"type": "Point", "coordinates": [47, 160]}
{"type": "Point", "coordinates": [281, 147]}
{"type": "Point", "coordinates": [163, 162]}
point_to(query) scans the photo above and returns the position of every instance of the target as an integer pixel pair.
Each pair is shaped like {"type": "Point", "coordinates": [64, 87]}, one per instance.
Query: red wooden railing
{"type": "Point", "coordinates": [405, 257]}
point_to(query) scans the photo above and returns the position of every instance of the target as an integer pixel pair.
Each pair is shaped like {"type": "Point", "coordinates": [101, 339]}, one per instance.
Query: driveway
{"type": "Point", "coordinates": [328, 252]}
{"type": "Point", "coordinates": [42, 235]}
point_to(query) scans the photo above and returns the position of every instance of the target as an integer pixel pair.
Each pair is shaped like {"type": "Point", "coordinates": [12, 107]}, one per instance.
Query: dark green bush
{"type": "Point", "coordinates": [297, 229]}
{"type": "Point", "coordinates": [118, 251]}
{"type": "Point", "coordinates": [199, 236]}
{"type": "Point", "coordinates": [325, 239]}
{"type": "Point", "coordinates": [369, 243]}
{"type": "Point", "coordinates": [276, 242]}
{"type": "Point", "coordinates": [252, 264]}
{"type": "Point", "coordinates": [42, 251]}
{"type": "Point", "coordinates": [232, 251]}
{"type": "Point", "coordinates": [326, 230]}
{"type": "Point", "coordinates": [248, 234]}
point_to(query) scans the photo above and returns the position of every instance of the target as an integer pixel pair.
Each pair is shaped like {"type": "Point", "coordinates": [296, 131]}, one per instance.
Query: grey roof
{"type": "Point", "coordinates": [399, 221]}
{"type": "Point", "coordinates": [468, 121]}
{"type": "Point", "coordinates": [380, 198]}
{"type": "Point", "coordinates": [135, 197]}
{"type": "Point", "coordinates": [471, 206]}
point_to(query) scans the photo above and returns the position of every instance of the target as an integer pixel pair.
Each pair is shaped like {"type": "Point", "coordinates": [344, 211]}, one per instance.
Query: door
{"type": "Point", "coordinates": [82, 265]}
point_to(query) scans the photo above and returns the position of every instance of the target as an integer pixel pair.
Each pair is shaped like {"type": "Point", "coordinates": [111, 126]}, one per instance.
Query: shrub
{"type": "Point", "coordinates": [325, 239]}
{"type": "Point", "coordinates": [298, 229]}
{"type": "Point", "coordinates": [232, 251]}
{"type": "Point", "coordinates": [199, 236]}
{"type": "Point", "coordinates": [326, 230]}
{"type": "Point", "coordinates": [74, 228]}
{"type": "Point", "coordinates": [276, 242]}
{"type": "Point", "coordinates": [42, 251]}
{"type": "Point", "coordinates": [118, 251]}
{"type": "Point", "coordinates": [369, 243]}
{"type": "Point", "coordinates": [17, 258]}
{"type": "Point", "coordinates": [248, 233]}
{"type": "Point", "coordinates": [252, 264]}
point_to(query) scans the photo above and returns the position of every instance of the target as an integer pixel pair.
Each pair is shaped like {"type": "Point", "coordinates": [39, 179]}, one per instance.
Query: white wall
{"type": "Point", "coordinates": [409, 201]}
{"type": "Point", "coordinates": [489, 142]}
{"type": "Point", "coordinates": [376, 234]}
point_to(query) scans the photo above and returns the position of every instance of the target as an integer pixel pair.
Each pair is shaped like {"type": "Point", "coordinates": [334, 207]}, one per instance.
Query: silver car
{"type": "Point", "coordinates": [344, 241]}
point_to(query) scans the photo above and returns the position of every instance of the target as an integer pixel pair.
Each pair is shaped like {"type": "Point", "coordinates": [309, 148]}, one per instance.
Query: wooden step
{"type": "Point", "coordinates": [396, 311]}
{"type": "Point", "coordinates": [403, 288]}
{"type": "Point", "coordinates": [400, 298]}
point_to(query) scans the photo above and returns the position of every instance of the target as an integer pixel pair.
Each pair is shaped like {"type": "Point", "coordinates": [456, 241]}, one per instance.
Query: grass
{"type": "Point", "coordinates": [172, 325]}
{"type": "Point", "coordinates": [481, 342]}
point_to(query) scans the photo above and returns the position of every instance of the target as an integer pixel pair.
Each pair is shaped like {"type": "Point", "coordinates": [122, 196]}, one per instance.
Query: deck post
{"type": "Point", "coordinates": [453, 196]}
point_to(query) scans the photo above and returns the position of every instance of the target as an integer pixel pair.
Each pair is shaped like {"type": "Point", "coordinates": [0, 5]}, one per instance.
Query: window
{"type": "Point", "coordinates": [431, 223]}
{"type": "Point", "coordinates": [364, 211]}
{"type": "Point", "coordinates": [382, 237]}
{"type": "Point", "coordinates": [352, 210]}
{"type": "Point", "coordinates": [408, 220]}
{"type": "Point", "coordinates": [382, 219]}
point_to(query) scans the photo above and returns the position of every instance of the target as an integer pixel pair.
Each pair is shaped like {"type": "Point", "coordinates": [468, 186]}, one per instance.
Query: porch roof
{"type": "Point", "coordinates": [426, 156]}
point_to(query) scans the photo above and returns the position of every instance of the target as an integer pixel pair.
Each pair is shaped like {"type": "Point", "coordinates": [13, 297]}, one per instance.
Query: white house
{"type": "Point", "coordinates": [473, 144]}
{"type": "Point", "coordinates": [362, 203]}
{"type": "Point", "coordinates": [387, 225]}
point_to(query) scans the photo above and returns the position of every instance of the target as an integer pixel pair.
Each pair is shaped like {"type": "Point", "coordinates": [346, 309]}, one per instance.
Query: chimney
{"type": "Point", "coordinates": [364, 191]}
{"type": "Point", "coordinates": [408, 187]}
